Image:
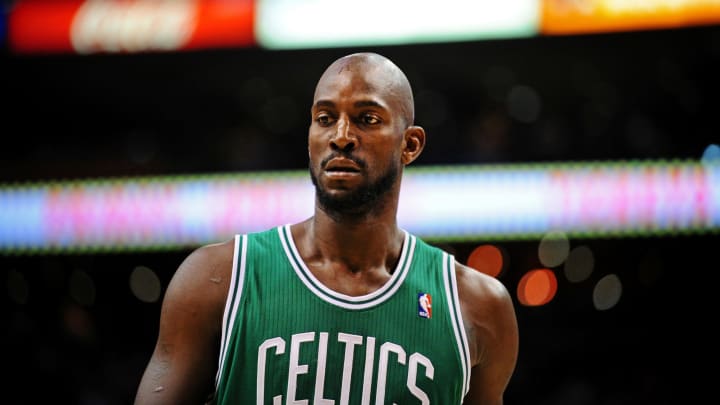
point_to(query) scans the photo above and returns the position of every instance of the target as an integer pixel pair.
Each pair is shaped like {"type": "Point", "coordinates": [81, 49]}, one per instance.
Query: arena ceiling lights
{"type": "Point", "coordinates": [283, 24]}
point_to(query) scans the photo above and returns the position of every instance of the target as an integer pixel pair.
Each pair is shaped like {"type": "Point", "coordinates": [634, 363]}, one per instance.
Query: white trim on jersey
{"type": "Point", "coordinates": [237, 278]}
{"type": "Point", "coordinates": [342, 300]}
{"type": "Point", "coordinates": [456, 317]}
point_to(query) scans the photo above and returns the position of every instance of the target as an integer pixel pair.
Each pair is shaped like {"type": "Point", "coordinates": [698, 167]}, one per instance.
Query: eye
{"type": "Point", "coordinates": [323, 119]}
{"type": "Point", "coordinates": [370, 119]}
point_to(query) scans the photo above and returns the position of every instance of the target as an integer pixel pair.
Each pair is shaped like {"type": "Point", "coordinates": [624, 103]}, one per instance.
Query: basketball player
{"type": "Point", "coordinates": [344, 307]}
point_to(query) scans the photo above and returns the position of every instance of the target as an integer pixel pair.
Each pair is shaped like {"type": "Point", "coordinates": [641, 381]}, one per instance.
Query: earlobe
{"type": "Point", "coordinates": [414, 144]}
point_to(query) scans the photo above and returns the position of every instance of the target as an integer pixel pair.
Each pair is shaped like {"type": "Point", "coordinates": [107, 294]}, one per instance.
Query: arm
{"type": "Point", "coordinates": [184, 362]}
{"type": "Point", "coordinates": [492, 332]}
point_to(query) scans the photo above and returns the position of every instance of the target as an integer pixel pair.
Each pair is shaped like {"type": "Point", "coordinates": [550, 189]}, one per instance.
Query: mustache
{"type": "Point", "coordinates": [337, 154]}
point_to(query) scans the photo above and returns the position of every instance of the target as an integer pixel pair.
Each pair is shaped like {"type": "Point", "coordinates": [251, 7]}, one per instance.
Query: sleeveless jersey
{"type": "Point", "coordinates": [288, 339]}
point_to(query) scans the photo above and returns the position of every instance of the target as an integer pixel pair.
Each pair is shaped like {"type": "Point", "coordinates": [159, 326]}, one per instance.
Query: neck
{"type": "Point", "coordinates": [352, 242]}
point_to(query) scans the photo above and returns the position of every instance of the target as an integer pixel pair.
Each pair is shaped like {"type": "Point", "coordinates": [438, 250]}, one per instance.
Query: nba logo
{"type": "Point", "coordinates": [424, 305]}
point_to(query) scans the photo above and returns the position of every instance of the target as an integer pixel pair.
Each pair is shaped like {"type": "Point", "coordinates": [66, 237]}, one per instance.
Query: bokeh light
{"type": "Point", "coordinates": [486, 259]}
{"type": "Point", "coordinates": [537, 287]}
{"type": "Point", "coordinates": [553, 249]}
{"type": "Point", "coordinates": [607, 292]}
{"type": "Point", "coordinates": [579, 264]}
{"type": "Point", "coordinates": [145, 284]}
{"type": "Point", "coordinates": [524, 104]}
{"type": "Point", "coordinates": [711, 154]}
{"type": "Point", "coordinates": [78, 323]}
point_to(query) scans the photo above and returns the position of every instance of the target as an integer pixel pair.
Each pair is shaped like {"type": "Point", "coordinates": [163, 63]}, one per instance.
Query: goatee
{"type": "Point", "coordinates": [360, 201]}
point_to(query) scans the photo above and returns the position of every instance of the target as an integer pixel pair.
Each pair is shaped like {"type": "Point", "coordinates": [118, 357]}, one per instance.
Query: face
{"type": "Point", "coordinates": [355, 141]}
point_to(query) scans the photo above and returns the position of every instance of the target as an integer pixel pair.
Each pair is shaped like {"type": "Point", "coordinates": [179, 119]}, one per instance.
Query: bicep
{"type": "Point", "coordinates": [183, 364]}
{"type": "Point", "coordinates": [496, 341]}
{"type": "Point", "coordinates": [488, 380]}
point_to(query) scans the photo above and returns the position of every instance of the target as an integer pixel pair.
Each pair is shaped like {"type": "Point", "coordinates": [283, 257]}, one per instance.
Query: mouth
{"type": "Point", "coordinates": [342, 170]}
{"type": "Point", "coordinates": [341, 166]}
{"type": "Point", "coordinates": [341, 174]}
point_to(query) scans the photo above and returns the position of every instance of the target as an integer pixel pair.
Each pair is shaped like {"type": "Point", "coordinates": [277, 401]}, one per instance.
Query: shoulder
{"type": "Point", "coordinates": [214, 260]}
{"type": "Point", "coordinates": [487, 309]}
{"type": "Point", "coordinates": [477, 287]}
{"type": "Point", "coordinates": [204, 275]}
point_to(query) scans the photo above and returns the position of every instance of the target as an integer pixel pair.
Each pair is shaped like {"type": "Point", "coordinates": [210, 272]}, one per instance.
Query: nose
{"type": "Point", "coordinates": [343, 139]}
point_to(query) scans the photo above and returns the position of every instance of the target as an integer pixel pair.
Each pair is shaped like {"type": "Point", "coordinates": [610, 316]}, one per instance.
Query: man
{"type": "Point", "coordinates": [344, 307]}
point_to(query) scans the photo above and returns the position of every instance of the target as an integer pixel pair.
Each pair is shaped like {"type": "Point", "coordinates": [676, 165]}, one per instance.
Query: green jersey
{"type": "Point", "coordinates": [288, 339]}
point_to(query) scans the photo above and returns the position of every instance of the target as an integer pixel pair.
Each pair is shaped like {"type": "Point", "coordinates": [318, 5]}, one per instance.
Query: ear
{"type": "Point", "coordinates": [413, 144]}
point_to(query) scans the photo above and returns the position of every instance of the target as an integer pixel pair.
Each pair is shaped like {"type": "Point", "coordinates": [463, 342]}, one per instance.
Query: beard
{"type": "Point", "coordinates": [361, 201]}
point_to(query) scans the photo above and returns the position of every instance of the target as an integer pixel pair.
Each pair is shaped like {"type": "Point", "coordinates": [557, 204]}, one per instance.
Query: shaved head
{"type": "Point", "coordinates": [381, 74]}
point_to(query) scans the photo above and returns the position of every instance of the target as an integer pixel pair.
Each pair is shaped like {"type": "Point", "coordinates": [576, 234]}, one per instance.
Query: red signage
{"type": "Point", "coordinates": [128, 26]}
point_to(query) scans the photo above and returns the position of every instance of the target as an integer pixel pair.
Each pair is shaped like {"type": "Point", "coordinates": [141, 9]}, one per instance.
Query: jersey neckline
{"type": "Point", "coordinates": [366, 301]}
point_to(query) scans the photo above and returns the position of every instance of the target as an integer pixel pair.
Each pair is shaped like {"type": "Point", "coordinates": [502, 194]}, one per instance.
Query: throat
{"type": "Point", "coordinates": [349, 260]}
{"type": "Point", "coordinates": [349, 282]}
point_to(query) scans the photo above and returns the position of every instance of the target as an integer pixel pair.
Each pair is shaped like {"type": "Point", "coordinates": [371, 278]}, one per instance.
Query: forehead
{"type": "Point", "coordinates": [352, 82]}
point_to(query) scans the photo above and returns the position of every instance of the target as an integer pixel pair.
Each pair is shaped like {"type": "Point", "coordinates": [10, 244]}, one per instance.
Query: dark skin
{"type": "Point", "coordinates": [361, 137]}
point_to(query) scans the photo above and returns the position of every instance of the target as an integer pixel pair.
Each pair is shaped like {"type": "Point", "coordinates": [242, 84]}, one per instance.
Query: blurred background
{"type": "Point", "coordinates": [583, 134]}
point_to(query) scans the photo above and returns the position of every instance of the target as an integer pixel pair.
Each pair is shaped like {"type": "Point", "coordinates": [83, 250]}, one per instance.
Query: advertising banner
{"type": "Point", "coordinates": [115, 26]}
